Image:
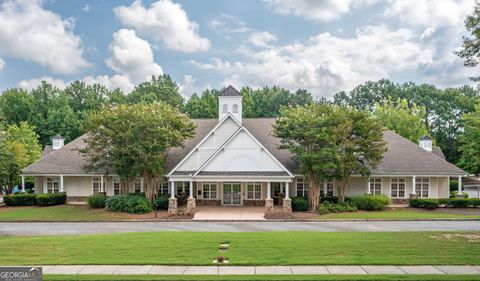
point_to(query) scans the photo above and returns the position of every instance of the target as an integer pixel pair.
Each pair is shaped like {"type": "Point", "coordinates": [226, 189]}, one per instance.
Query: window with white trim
{"type": "Point", "coordinates": [235, 108]}
{"type": "Point", "coordinates": [53, 185]}
{"type": "Point", "coordinates": [254, 190]}
{"type": "Point", "coordinates": [397, 188]}
{"type": "Point", "coordinates": [209, 190]}
{"type": "Point", "coordinates": [376, 186]}
{"type": "Point", "coordinates": [302, 187]}
{"type": "Point", "coordinates": [97, 184]}
{"type": "Point", "coordinates": [138, 186]}
{"type": "Point", "coordinates": [422, 187]}
{"type": "Point", "coordinates": [116, 186]}
{"type": "Point", "coordinates": [225, 108]}
{"type": "Point", "coordinates": [163, 187]}
{"type": "Point", "coordinates": [329, 188]}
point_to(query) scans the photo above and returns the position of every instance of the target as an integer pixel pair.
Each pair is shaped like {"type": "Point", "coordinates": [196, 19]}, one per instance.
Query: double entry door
{"type": "Point", "coordinates": [232, 193]}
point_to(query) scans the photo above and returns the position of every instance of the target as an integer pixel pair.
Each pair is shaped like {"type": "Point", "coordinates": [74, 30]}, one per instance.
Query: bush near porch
{"type": "Point", "coordinates": [430, 204]}
{"type": "Point", "coordinates": [44, 199]}
{"type": "Point", "coordinates": [355, 203]}
{"type": "Point", "coordinates": [132, 203]}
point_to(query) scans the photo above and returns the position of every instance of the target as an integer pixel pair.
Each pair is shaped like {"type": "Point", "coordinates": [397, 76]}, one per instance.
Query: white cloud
{"type": "Point", "coordinates": [86, 8]}
{"type": "Point", "coordinates": [111, 82]}
{"type": "Point", "coordinates": [323, 10]}
{"type": "Point", "coordinates": [29, 32]}
{"type": "Point", "coordinates": [165, 22]}
{"type": "Point", "coordinates": [132, 56]}
{"type": "Point", "coordinates": [2, 63]}
{"type": "Point", "coordinates": [227, 23]}
{"type": "Point", "coordinates": [262, 39]}
{"type": "Point", "coordinates": [30, 84]}
{"type": "Point", "coordinates": [326, 64]}
{"type": "Point", "coordinates": [189, 86]}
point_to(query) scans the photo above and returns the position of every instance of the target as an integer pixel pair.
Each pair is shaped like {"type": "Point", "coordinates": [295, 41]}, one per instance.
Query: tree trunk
{"type": "Point", "coordinates": [149, 187]}
{"type": "Point", "coordinates": [341, 188]}
{"type": "Point", "coordinates": [124, 187]}
{"type": "Point", "coordinates": [313, 194]}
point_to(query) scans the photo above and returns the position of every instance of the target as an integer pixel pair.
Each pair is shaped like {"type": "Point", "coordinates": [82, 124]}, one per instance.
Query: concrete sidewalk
{"type": "Point", "coordinates": [260, 270]}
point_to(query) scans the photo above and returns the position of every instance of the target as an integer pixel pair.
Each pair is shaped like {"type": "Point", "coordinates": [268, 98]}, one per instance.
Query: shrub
{"type": "Point", "coordinates": [453, 194]}
{"type": "Point", "coordinates": [299, 204]}
{"type": "Point", "coordinates": [135, 204]}
{"type": "Point", "coordinates": [51, 199]}
{"type": "Point", "coordinates": [460, 202]}
{"type": "Point", "coordinates": [9, 200]}
{"type": "Point", "coordinates": [162, 201]}
{"type": "Point", "coordinates": [97, 201]}
{"type": "Point", "coordinates": [327, 207]}
{"type": "Point", "coordinates": [20, 199]}
{"type": "Point", "coordinates": [370, 202]}
{"type": "Point", "coordinates": [424, 203]}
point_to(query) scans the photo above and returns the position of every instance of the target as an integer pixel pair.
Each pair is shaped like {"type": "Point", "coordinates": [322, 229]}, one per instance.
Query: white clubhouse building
{"type": "Point", "coordinates": [235, 161]}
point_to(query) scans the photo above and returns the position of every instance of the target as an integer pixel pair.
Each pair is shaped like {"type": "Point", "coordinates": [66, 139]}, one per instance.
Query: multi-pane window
{"type": "Point", "coordinates": [254, 190]}
{"type": "Point", "coordinates": [235, 108]}
{"type": "Point", "coordinates": [97, 184]}
{"type": "Point", "coordinates": [375, 186]}
{"type": "Point", "coordinates": [422, 186]}
{"type": "Point", "coordinates": [302, 187]}
{"type": "Point", "coordinates": [182, 186]}
{"type": "Point", "coordinates": [398, 188]}
{"type": "Point", "coordinates": [163, 188]}
{"type": "Point", "coordinates": [138, 185]}
{"type": "Point", "coordinates": [225, 108]}
{"type": "Point", "coordinates": [209, 190]}
{"type": "Point", "coordinates": [329, 188]}
{"type": "Point", "coordinates": [52, 184]}
{"type": "Point", "coordinates": [116, 186]}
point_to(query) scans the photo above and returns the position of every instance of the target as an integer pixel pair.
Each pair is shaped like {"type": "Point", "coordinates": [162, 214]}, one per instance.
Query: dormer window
{"type": "Point", "coordinates": [225, 108]}
{"type": "Point", "coordinates": [235, 108]}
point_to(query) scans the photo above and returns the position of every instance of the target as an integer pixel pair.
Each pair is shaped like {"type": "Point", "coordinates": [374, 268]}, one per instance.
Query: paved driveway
{"type": "Point", "coordinates": [229, 213]}
{"type": "Point", "coordinates": [71, 228]}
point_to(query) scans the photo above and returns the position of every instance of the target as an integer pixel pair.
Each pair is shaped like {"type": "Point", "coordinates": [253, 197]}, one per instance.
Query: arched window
{"type": "Point", "coordinates": [225, 108]}
{"type": "Point", "coordinates": [235, 108]}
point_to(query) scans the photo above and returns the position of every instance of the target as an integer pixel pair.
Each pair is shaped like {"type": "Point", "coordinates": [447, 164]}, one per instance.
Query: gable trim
{"type": "Point", "coordinates": [230, 139]}
{"type": "Point", "coordinates": [203, 140]}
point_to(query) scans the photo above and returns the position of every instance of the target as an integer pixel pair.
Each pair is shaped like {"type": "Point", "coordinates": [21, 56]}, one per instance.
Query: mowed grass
{"type": "Point", "coordinates": [263, 277]}
{"type": "Point", "coordinates": [397, 214]}
{"type": "Point", "coordinates": [58, 213]}
{"type": "Point", "coordinates": [259, 248]}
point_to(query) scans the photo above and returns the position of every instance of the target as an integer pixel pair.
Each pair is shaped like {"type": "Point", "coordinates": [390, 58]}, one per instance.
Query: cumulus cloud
{"type": "Point", "coordinates": [29, 32]}
{"type": "Point", "coordinates": [324, 10]}
{"type": "Point", "coordinates": [326, 64]}
{"type": "Point", "coordinates": [262, 39]}
{"type": "Point", "coordinates": [30, 84]}
{"type": "Point", "coordinates": [121, 82]}
{"type": "Point", "coordinates": [2, 64]}
{"type": "Point", "coordinates": [164, 22]}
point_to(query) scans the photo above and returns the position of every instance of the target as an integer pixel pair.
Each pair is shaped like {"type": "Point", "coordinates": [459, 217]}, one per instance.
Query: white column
{"type": "Point", "coordinates": [269, 192]}
{"type": "Point", "coordinates": [325, 187]}
{"type": "Point", "coordinates": [23, 183]}
{"type": "Point", "coordinates": [61, 183]}
{"type": "Point", "coordinates": [287, 190]}
{"type": "Point", "coordinates": [141, 185]}
{"type": "Point", "coordinates": [102, 189]}
{"type": "Point", "coordinates": [369, 187]}
{"type": "Point", "coordinates": [172, 189]}
{"type": "Point", "coordinates": [460, 184]}
{"type": "Point", "coordinates": [414, 184]}
{"type": "Point", "coordinates": [190, 190]}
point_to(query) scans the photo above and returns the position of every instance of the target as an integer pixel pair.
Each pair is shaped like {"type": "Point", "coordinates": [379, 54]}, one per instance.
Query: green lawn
{"type": "Point", "coordinates": [264, 277]}
{"type": "Point", "coordinates": [59, 213]}
{"type": "Point", "coordinates": [401, 213]}
{"type": "Point", "coordinates": [259, 248]}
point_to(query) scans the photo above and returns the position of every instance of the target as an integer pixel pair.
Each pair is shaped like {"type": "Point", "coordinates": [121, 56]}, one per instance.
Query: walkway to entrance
{"type": "Point", "coordinates": [229, 213]}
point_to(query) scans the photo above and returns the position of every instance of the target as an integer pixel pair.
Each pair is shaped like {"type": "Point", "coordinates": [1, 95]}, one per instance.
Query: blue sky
{"type": "Point", "coordinates": [322, 46]}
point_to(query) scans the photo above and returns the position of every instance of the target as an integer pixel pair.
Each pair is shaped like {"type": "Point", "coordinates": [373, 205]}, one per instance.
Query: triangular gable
{"type": "Point", "coordinates": [242, 153]}
{"type": "Point", "coordinates": [208, 145]}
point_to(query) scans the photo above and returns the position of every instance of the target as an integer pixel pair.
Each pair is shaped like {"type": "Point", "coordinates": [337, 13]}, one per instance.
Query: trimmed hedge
{"type": "Point", "coordinates": [327, 207]}
{"type": "Point", "coordinates": [20, 199]}
{"type": "Point", "coordinates": [453, 194]}
{"type": "Point", "coordinates": [299, 204]}
{"type": "Point", "coordinates": [135, 204]}
{"type": "Point", "coordinates": [424, 203]}
{"type": "Point", "coordinates": [162, 201]}
{"type": "Point", "coordinates": [51, 199]}
{"type": "Point", "coordinates": [369, 202]}
{"type": "Point", "coordinates": [97, 201]}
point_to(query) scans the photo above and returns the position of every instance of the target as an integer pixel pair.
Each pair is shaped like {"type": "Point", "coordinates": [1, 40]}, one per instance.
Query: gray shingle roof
{"type": "Point", "coordinates": [229, 92]}
{"type": "Point", "coordinates": [47, 150]}
{"type": "Point", "coordinates": [402, 157]}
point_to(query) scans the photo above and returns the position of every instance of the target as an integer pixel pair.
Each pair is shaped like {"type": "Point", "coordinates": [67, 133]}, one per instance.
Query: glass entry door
{"type": "Point", "coordinates": [232, 193]}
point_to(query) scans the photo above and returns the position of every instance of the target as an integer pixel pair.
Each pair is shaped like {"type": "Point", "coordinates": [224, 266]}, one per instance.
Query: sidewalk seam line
{"type": "Point", "coordinates": [446, 273]}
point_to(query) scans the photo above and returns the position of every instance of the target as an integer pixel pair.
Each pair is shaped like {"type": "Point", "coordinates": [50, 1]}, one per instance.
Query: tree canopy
{"type": "Point", "coordinates": [470, 142]}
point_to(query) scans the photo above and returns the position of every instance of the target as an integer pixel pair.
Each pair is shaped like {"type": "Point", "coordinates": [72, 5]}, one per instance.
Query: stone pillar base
{"type": "Point", "coordinates": [413, 196]}
{"type": "Point", "coordinates": [287, 205]}
{"type": "Point", "coordinates": [172, 207]}
{"type": "Point", "coordinates": [191, 206]}
{"type": "Point", "coordinates": [459, 195]}
{"type": "Point", "coordinates": [268, 206]}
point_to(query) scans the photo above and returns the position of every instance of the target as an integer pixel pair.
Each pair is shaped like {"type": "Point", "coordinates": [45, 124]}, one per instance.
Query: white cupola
{"type": "Point", "coordinates": [425, 142]}
{"type": "Point", "coordinates": [230, 101]}
{"type": "Point", "coordinates": [57, 142]}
